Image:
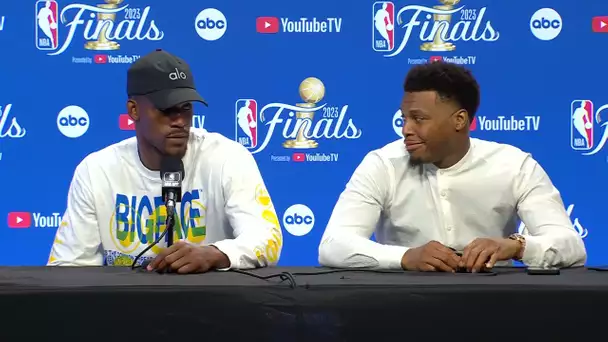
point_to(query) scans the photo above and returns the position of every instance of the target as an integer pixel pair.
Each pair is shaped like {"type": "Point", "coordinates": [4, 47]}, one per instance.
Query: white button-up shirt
{"type": "Point", "coordinates": [481, 196]}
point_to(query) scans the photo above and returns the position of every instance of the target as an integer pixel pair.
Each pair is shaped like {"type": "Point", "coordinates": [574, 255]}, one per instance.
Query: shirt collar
{"type": "Point", "coordinates": [155, 174]}
{"type": "Point", "coordinates": [454, 168]}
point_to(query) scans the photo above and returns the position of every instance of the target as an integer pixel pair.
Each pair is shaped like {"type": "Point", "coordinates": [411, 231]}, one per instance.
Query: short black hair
{"type": "Point", "coordinates": [450, 81]}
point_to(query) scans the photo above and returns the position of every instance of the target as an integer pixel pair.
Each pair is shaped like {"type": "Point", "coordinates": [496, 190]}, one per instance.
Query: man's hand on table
{"type": "Point", "coordinates": [483, 253]}
{"type": "Point", "coordinates": [432, 256]}
{"type": "Point", "coordinates": [187, 258]}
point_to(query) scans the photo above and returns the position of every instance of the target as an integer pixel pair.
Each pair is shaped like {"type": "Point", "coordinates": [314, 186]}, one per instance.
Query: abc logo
{"type": "Point", "coordinates": [73, 121]}
{"type": "Point", "coordinates": [298, 220]}
{"type": "Point", "coordinates": [210, 24]}
{"type": "Point", "coordinates": [398, 123]}
{"type": "Point", "coordinates": [546, 24]}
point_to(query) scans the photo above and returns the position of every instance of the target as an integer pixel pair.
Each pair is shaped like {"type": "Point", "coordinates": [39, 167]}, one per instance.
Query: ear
{"type": "Point", "coordinates": [132, 110]}
{"type": "Point", "coordinates": [461, 120]}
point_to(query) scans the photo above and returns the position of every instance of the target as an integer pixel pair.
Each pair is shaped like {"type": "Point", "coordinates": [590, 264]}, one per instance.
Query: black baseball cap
{"type": "Point", "coordinates": [165, 79]}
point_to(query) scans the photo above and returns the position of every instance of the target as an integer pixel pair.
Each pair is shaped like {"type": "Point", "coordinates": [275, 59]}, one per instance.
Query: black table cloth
{"type": "Point", "coordinates": [300, 304]}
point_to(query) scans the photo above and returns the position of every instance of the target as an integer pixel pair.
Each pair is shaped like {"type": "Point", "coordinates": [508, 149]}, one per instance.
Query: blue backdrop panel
{"type": "Point", "coordinates": [332, 70]}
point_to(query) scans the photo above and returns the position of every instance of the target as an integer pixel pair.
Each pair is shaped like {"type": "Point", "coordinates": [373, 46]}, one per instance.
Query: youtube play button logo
{"type": "Point", "coordinates": [19, 220]}
{"type": "Point", "coordinates": [100, 59]}
{"type": "Point", "coordinates": [267, 24]}
{"type": "Point", "coordinates": [600, 24]}
{"type": "Point", "coordinates": [298, 157]}
{"type": "Point", "coordinates": [125, 123]}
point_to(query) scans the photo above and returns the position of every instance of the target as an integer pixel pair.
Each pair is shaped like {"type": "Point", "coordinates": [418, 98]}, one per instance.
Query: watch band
{"type": "Point", "coordinates": [522, 240]}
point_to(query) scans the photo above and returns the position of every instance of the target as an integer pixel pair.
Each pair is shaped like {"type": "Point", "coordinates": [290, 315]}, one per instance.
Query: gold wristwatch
{"type": "Point", "coordinates": [522, 240]}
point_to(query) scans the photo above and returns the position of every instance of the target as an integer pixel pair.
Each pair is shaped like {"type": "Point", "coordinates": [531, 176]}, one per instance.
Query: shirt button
{"type": "Point", "coordinates": [450, 228]}
{"type": "Point", "coordinates": [444, 193]}
{"type": "Point", "coordinates": [440, 172]}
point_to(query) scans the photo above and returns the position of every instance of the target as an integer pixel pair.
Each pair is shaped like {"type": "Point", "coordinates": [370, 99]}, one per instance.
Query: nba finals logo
{"type": "Point", "coordinates": [246, 128]}
{"type": "Point", "coordinates": [384, 29]}
{"type": "Point", "coordinates": [312, 91]}
{"type": "Point", "coordinates": [301, 125]}
{"type": "Point", "coordinates": [441, 26]}
{"type": "Point", "coordinates": [105, 26]}
{"type": "Point", "coordinates": [47, 35]}
{"type": "Point", "coordinates": [582, 127]}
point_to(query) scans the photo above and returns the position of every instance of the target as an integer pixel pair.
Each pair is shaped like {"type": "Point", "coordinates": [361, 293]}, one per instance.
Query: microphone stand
{"type": "Point", "coordinates": [170, 222]}
{"type": "Point", "coordinates": [170, 205]}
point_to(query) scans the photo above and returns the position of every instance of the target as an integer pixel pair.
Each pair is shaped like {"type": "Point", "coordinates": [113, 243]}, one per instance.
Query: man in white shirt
{"type": "Point", "coordinates": [444, 194]}
{"type": "Point", "coordinates": [226, 219]}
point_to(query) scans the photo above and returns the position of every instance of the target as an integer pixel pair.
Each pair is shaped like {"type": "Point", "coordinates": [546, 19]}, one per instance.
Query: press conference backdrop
{"type": "Point", "coordinates": [337, 66]}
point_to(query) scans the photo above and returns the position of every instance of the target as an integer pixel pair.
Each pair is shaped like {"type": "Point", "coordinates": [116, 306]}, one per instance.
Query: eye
{"type": "Point", "coordinates": [415, 118]}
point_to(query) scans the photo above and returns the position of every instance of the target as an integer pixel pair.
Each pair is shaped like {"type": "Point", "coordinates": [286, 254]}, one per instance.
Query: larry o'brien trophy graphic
{"type": "Point", "coordinates": [102, 42]}
{"type": "Point", "coordinates": [438, 44]}
{"type": "Point", "coordinates": [312, 92]}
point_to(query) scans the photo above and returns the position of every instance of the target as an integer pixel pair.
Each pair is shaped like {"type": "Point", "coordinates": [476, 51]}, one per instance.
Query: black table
{"type": "Point", "coordinates": [302, 304]}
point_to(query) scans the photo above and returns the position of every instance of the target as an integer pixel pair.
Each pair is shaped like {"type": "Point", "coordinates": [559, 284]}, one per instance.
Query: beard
{"type": "Point", "coordinates": [415, 161]}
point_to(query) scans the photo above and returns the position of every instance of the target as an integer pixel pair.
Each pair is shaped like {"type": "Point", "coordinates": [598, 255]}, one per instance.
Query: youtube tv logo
{"type": "Point", "coordinates": [298, 157]}
{"type": "Point", "coordinates": [599, 24]}
{"type": "Point", "coordinates": [100, 59]}
{"type": "Point", "coordinates": [473, 124]}
{"type": "Point", "coordinates": [125, 123]}
{"type": "Point", "coordinates": [19, 219]}
{"type": "Point", "coordinates": [267, 25]}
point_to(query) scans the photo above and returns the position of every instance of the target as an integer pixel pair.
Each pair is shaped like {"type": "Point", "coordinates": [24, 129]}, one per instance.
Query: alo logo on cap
{"type": "Point", "coordinates": [178, 75]}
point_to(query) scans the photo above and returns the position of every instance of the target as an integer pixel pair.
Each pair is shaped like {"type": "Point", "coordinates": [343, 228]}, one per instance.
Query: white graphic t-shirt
{"type": "Point", "coordinates": [115, 209]}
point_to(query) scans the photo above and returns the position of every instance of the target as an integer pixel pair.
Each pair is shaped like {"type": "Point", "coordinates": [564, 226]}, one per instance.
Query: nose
{"type": "Point", "coordinates": [407, 128]}
{"type": "Point", "coordinates": [179, 119]}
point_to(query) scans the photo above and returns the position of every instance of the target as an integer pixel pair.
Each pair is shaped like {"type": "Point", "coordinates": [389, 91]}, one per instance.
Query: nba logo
{"type": "Point", "coordinates": [246, 127]}
{"type": "Point", "coordinates": [47, 35]}
{"type": "Point", "coordinates": [383, 32]}
{"type": "Point", "coordinates": [581, 125]}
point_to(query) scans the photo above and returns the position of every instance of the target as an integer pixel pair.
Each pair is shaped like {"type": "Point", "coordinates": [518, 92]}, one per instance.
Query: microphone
{"type": "Point", "coordinates": [171, 174]}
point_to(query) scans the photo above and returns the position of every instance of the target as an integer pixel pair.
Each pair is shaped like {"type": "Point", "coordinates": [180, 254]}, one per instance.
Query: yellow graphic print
{"type": "Point", "coordinates": [125, 240]}
{"type": "Point", "coordinates": [198, 229]}
{"type": "Point", "coordinates": [123, 260]}
{"type": "Point", "coordinates": [268, 214]}
{"type": "Point", "coordinates": [262, 196]}
{"type": "Point", "coordinates": [56, 241]}
{"type": "Point", "coordinates": [131, 227]}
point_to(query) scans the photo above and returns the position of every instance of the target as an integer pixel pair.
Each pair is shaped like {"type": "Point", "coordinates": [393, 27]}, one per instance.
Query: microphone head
{"type": "Point", "coordinates": [171, 164]}
{"type": "Point", "coordinates": [171, 174]}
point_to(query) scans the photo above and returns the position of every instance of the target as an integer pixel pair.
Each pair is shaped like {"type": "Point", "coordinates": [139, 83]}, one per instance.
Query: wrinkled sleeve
{"type": "Point", "coordinates": [346, 242]}
{"type": "Point", "coordinates": [77, 241]}
{"type": "Point", "coordinates": [258, 239]}
{"type": "Point", "coordinates": [551, 240]}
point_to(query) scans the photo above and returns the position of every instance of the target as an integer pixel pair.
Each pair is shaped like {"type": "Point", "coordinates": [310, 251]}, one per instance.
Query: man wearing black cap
{"type": "Point", "coordinates": [115, 210]}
